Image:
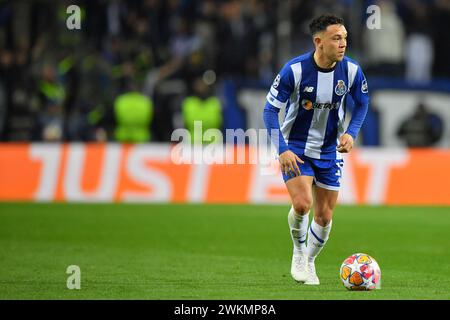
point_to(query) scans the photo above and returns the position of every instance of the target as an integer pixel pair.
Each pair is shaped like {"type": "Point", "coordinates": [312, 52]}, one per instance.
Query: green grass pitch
{"type": "Point", "coordinates": [131, 251]}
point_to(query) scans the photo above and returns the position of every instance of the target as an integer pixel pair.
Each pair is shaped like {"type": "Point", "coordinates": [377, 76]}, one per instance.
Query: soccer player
{"type": "Point", "coordinates": [313, 88]}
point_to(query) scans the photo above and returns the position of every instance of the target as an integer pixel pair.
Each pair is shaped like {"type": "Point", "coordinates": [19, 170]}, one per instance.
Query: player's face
{"type": "Point", "coordinates": [334, 42]}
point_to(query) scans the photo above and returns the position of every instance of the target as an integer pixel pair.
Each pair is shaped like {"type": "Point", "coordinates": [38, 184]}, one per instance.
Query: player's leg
{"type": "Point", "coordinates": [299, 189]}
{"type": "Point", "coordinates": [319, 230]}
{"type": "Point", "coordinates": [326, 192]}
{"type": "Point", "coordinates": [320, 227]}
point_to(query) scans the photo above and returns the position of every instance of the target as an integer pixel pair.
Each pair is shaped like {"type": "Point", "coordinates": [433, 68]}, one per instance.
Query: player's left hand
{"type": "Point", "coordinates": [345, 143]}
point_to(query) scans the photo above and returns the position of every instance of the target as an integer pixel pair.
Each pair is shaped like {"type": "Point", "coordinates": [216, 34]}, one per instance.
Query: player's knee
{"type": "Point", "coordinates": [302, 206]}
{"type": "Point", "coordinates": [324, 218]}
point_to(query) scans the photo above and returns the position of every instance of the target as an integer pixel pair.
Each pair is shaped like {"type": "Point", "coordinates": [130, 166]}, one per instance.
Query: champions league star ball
{"type": "Point", "coordinates": [360, 272]}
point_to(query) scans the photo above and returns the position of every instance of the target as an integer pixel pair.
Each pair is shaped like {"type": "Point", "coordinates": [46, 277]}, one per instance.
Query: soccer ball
{"type": "Point", "coordinates": [360, 272]}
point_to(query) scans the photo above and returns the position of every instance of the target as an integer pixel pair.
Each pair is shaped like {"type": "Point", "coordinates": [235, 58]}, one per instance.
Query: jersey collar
{"type": "Point", "coordinates": [319, 68]}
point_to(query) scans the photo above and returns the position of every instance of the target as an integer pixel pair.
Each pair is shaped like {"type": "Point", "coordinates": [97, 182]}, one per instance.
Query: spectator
{"type": "Point", "coordinates": [201, 106]}
{"type": "Point", "coordinates": [51, 96]}
{"type": "Point", "coordinates": [419, 51]}
{"type": "Point", "coordinates": [237, 37]}
{"type": "Point", "coordinates": [441, 24]}
{"type": "Point", "coordinates": [384, 47]}
{"type": "Point", "coordinates": [134, 113]}
{"type": "Point", "coordinates": [422, 129]}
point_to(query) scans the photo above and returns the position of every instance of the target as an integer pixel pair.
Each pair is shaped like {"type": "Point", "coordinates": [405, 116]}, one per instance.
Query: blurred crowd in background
{"type": "Point", "coordinates": [166, 60]}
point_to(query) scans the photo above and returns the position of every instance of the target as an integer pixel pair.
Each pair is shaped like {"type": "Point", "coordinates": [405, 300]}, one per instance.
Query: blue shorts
{"type": "Point", "coordinates": [327, 173]}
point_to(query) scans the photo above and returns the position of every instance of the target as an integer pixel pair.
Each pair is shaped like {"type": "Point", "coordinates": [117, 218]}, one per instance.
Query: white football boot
{"type": "Point", "coordinates": [311, 278]}
{"type": "Point", "coordinates": [298, 267]}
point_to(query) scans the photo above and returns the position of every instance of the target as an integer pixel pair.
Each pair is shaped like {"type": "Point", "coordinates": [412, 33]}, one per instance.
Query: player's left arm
{"type": "Point", "coordinates": [360, 94]}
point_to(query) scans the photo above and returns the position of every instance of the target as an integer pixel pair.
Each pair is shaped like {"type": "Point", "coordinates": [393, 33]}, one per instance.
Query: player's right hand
{"type": "Point", "coordinates": [288, 162]}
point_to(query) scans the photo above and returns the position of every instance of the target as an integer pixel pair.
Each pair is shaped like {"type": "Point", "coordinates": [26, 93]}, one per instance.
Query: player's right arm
{"type": "Point", "coordinates": [277, 98]}
{"type": "Point", "coordinates": [360, 94]}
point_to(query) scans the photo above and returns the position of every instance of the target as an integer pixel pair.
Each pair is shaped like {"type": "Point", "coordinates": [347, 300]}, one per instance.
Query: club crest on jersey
{"type": "Point", "coordinates": [340, 88]}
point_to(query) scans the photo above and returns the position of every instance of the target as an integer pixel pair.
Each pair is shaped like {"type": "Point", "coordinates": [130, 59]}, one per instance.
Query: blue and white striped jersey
{"type": "Point", "coordinates": [315, 105]}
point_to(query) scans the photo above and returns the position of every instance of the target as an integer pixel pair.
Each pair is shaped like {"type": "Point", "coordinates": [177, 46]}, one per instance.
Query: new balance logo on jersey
{"type": "Point", "coordinates": [308, 89]}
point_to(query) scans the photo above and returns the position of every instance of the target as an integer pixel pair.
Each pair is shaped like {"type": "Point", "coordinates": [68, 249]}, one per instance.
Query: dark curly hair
{"type": "Point", "coordinates": [321, 23]}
